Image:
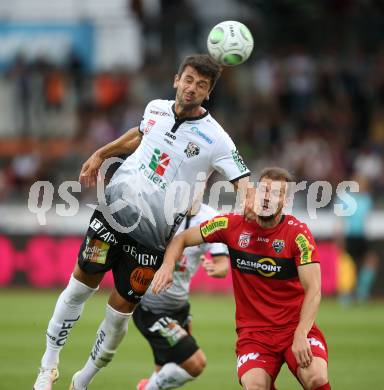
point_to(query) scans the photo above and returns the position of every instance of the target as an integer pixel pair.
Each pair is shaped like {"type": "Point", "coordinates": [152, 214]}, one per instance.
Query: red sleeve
{"type": "Point", "coordinates": [216, 229]}
{"type": "Point", "coordinates": [305, 250]}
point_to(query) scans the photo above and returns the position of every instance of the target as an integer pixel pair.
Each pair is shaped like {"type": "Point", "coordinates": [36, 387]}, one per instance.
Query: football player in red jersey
{"type": "Point", "coordinates": [277, 286]}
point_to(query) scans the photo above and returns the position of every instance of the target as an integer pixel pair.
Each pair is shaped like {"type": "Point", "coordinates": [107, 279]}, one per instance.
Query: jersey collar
{"type": "Point", "coordinates": [188, 118]}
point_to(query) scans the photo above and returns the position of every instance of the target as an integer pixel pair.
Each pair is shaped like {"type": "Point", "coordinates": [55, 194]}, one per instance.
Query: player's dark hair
{"type": "Point", "coordinates": [276, 173]}
{"type": "Point", "coordinates": [204, 65]}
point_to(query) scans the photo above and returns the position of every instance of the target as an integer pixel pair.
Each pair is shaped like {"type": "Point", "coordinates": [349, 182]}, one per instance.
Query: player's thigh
{"type": "Point", "coordinates": [255, 350]}
{"type": "Point", "coordinates": [315, 375]}
{"type": "Point", "coordinates": [169, 340]}
{"type": "Point", "coordinates": [119, 303]}
{"type": "Point", "coordinates": [91, 280]}
{"type": "Point", "coordinates": [256, 379]}
{"type": "Point", "coordinates": [319, 366]}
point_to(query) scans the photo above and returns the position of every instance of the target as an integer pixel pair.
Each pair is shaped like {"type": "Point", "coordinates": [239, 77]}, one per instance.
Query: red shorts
{"type": "Point", "coordinates": [270, 349]}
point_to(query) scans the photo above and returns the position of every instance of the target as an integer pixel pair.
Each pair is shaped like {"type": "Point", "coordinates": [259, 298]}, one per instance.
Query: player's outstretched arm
{"type": "Point", "coordinates": [125, 144]}
{"type": "Point", "coordinates": [164, 276]}
{"type": "Point", "coordinates": [310, 278]}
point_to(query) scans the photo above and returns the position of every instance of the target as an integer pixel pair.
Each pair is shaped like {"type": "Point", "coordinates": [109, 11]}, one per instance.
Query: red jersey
{"type": "Point", "coordinates": [264, 262]}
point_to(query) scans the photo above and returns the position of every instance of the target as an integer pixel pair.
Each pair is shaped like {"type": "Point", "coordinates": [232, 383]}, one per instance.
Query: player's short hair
{"type": "Point", "coordinates": [204, 65]}
{"type": "Point", "coordinates": [276, 173]}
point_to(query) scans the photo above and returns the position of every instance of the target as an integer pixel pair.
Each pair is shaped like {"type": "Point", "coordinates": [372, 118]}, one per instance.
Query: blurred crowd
{"type": "Point", "coordinates": [319, 113]}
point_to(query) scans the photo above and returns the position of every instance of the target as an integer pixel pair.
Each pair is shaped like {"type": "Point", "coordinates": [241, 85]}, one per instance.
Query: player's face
{"type": "Point", "coordinates": [270, 198]}
{"type": "Point", "coordinates": [192, 88]}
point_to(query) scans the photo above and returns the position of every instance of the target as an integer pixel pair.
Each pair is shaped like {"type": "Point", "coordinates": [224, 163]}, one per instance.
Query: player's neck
{"type": "Point", "coordinates": [181, 112]}
{"type": "Point", "coordinates": [269, 223]}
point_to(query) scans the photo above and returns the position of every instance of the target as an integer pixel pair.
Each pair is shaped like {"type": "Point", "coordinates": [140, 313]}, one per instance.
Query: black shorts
{"type": "Point", "coordinates": [167, 334]}
{"type": "Point", "coordinates": [133, 265]}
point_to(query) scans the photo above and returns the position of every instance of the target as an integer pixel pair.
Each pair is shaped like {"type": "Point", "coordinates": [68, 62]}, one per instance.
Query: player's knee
{"type": "Point", "coordinates": [255, 384]}
{"type": "Point", "coordinates": [196, 363]}
{"type": "Point", "coordinates": [76, 292]}
{"type": "Point", "coordinates": [316, 380]}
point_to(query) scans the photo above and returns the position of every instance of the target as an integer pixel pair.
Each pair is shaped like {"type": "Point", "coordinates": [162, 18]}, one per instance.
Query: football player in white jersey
{"type": "Point", "coordinates": [176, 142]}
{"type": "Point", "coordinates": [164, 319]}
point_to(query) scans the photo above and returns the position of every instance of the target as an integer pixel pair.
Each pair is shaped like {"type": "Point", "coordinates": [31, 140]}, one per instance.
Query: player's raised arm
{"type": "Point", "coordinates": [310, 278]}
{"type": "Point", "coordinates": [125, 144]}
{"type": "Point", "coordinates": [164, 276]}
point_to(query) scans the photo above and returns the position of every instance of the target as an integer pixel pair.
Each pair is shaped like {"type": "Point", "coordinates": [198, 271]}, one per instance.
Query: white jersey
{"type": "Point", "coordinates": [156, 185]}
{"type": "Point", "coordinates": [178, 294]}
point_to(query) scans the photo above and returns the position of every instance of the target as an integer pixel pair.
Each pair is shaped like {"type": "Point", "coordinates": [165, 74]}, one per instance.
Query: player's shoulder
{"type": "Point", "coordinates": [160, 107]}
{"type": "Point", "coordinates": [295, 225]}
{"type": "Point", "coordinates": [211, 122]}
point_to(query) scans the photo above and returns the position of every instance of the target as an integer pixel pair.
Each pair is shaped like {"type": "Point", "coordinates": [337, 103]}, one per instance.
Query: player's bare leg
{"type": "Point", "coordinates": [108, 337]}
{"type": "Point", "coordinates": [315, 376]}
{"type": "Point", "coordinates": [256, 379]}
{"type": "Point", "coordinates": [69, 307]}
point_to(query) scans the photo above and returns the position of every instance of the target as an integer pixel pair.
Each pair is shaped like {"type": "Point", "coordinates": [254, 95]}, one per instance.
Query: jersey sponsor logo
{"type": "Point", "coordinates": [141, 258]}
{"type": "Point", "coordinates": [265, 266]}
{"type": "Point", "coordinates": [170, 135]}
{"type": "Point", "coordinates": [95, 251]}
{"type": "Point", "coordinates": [158, 165]}
{"type": "Point", "coordinates": [141, 278]}
{"type": "Point", "coordinates": [262, 239]}
{"type": "Point", "coordinates": [102, 231]}
{"type": "Point", "coordinates": [238, 161]}
{"type": "Point", "coordinates": [192, 150]}
{"type": "Point", "coordinates": [204, 136]}
{"type": "Point", "coordinates": [262, 266]}
{"type": "Point", "coordinates": [246, 357]}
{"type": "Point", "coordinates": [96, 224]}
{"type": "Point", "coordinates": [149, 126]}
{"type": "Point", "coordinates": [159, 162]}
{"type": "Point", "coordinates": [214, 225]}
{"type": "Point", "coordinates": [244, 239]}
{"type": "Point", "coordinates": [159, 113]}
{"type": "Point", "coordinates": [278, 245]}
{"type": "Point", "coordinates": [316, 343]}
{"type": "Point", "coordinates": [153, 177]}
{"type": "Point", "coordinates": [305, 249]}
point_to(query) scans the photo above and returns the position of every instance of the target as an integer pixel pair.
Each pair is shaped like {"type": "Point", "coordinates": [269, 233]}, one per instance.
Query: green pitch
{"type": "Point", "coordinates": [355, 337]}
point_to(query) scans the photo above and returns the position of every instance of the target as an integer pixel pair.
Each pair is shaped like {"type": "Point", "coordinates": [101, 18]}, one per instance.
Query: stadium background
{"type": "Point", "coordinates": [75, 75]}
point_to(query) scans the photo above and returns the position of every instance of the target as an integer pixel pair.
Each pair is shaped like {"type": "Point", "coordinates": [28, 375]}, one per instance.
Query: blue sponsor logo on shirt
{"type": "Point", "coordinates": [195, 130]}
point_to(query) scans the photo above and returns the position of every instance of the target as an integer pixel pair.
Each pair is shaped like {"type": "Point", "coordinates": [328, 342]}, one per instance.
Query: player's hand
{"type": "Point", "coordinates": [90, 170]}
{"type": "Point", "coordinates": [163, 279]}
{"type": "Point", "coordinates": [302, 350]}
{"type": "Point", "coordinates": [249, 206]}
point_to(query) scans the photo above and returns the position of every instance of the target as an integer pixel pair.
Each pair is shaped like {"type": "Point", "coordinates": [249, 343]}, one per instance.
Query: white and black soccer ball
{"type": "Point", "coordinates": [230, 43]}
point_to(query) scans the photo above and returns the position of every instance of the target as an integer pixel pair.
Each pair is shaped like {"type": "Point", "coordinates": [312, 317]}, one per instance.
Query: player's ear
{"type": "Point", "coordinates": [176, 81]}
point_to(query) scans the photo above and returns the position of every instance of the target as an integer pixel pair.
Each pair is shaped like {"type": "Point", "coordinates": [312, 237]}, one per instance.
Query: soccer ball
{"type": "Point", "coordinates": [230, 43]}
